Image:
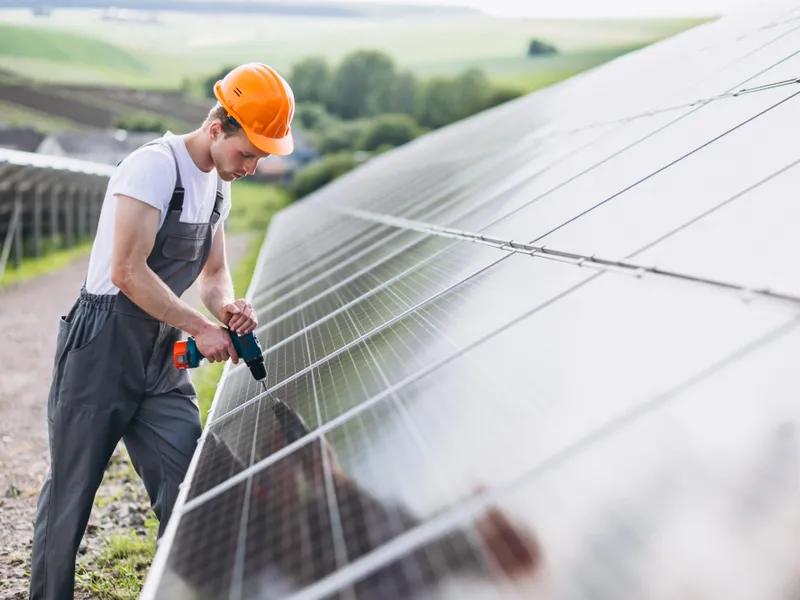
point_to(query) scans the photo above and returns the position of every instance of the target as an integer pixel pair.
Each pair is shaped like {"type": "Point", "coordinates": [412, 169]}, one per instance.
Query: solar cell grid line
{"type": "Point", "coordinates": [670, 165]}
{"type": "Point", "coordinates": [336, 238]}
{"type": "Point", "coordinates": [691, 104]}
{"type": "Point", "coordinates": [761, 264]}
{"type": "Point", "coordinates": [292, 221]}
{"type": "Point", "coordinates": [394, 244]}
{"type": "Point", "coordinates": [292, 245]}
{"type": "Point", "coordinates": [271, 289]}
{"type": "Point", "coordinates": [264, 299]}
{"type": "Point", "coordinates": [413, 251]}
{"type": "Point", "coordinates": [324, 262]}
{"type": "Point", "coordinates": [563, 204]}
{"type": "Point", "coordinates": [668, 211]}
{"type": "Point", "coordinates": [431, 199]}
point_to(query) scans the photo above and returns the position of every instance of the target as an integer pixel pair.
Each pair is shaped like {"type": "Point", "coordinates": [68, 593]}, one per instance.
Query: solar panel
{"type": "Point", "coordinates": [544, 352]}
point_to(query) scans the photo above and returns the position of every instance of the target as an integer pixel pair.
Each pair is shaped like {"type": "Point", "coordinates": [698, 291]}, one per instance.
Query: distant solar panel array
{"type": "Point", "coordinates": [549, 351]}
{"type": "Point", "coordinates": [46, 203]}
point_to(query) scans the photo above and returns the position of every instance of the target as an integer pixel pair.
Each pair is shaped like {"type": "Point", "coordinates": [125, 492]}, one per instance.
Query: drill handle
{"type": "Point", "coordinates": [186, 355]}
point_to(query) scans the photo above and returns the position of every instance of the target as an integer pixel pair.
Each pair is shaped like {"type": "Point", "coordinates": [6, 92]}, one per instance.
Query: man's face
{"type": "Point", "coordinates": [234, 156]}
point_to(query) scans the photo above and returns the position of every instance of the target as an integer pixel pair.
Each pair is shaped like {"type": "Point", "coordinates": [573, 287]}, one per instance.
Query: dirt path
{"type": "Point", "coordinates": [29, 314]}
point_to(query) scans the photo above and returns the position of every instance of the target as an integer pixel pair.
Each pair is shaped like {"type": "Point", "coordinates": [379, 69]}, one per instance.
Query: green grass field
{"type": "Point", "coordinates": [79, 46]}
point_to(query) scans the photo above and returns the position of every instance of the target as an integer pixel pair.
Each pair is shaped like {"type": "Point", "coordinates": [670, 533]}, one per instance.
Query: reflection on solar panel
{"type": "Point", "coordinates": [547, 352]}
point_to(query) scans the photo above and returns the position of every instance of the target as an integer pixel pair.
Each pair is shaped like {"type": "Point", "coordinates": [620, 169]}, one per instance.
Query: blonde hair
{"type": "Point", "coordinates": [218, 113]}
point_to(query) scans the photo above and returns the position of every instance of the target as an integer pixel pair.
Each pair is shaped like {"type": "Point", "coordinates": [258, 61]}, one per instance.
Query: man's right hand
{"type": "Point", "coordinates": [214, 342]}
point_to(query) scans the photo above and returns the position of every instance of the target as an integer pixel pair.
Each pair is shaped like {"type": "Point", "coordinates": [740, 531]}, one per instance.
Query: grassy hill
{"type": "Point", "coordinates": [25, 42]}
{"type": "Point", "coordinates": [79, 46]}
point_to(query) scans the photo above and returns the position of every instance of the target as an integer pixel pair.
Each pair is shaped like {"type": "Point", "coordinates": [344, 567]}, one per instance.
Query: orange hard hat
{"type": "Point", "coordinates": [262, 104]}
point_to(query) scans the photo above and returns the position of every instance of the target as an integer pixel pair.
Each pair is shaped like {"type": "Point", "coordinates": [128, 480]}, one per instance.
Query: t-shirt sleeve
{"type": "Point", "coordinates": [148, 175]}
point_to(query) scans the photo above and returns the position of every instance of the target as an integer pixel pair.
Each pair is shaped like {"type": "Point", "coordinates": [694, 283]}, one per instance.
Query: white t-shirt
{"type": "Point", "coordinates": [148, 174]}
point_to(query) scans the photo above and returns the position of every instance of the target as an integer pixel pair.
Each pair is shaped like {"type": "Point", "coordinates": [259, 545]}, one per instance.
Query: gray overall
{"type": "Point", "coordinates": [113, 377]}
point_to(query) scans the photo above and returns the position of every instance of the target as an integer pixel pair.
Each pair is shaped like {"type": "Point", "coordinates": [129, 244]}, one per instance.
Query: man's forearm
{"type": "Point", "coordinates": [151, 294]}
{"type": "Point", "coordinates": [216, 290]}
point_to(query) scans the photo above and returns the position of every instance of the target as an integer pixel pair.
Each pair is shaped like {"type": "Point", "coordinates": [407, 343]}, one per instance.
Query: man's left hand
{"type": "Point", "coordinates": [239, 316]}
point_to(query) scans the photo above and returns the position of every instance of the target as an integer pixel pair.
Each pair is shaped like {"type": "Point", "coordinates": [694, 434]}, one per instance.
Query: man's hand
{"type": "Point", "coordinates": [239, 316]}
{"type": "Point", "coordinates": [215, 344]}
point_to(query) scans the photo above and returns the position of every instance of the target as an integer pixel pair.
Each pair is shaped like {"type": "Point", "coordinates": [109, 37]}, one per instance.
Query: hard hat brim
{"type": "Point", "coordinates": [280, 147]}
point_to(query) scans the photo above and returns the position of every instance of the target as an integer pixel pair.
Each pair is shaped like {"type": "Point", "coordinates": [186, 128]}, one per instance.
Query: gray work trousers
{"type": "Point", "coordinates": [113, 379]}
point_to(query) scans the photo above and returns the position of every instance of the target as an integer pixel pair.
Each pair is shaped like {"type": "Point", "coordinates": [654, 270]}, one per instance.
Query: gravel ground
{"type": "Point", "coordinates": [29, 314]}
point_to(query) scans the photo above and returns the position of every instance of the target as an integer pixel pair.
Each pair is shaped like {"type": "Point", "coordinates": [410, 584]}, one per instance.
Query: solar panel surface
{"type": "Point", "coordinates": [545, 351]}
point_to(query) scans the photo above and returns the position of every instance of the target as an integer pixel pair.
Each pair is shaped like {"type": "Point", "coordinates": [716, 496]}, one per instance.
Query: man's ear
{"type": "Point", "coordinates": [215, 130]}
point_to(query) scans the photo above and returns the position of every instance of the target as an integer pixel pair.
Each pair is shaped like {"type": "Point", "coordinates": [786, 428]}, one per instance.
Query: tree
{"type": "Point", "coordinates": [362, 85]}
{"type": "Point", "coordinates": [320, 173]}
{"type": "Point", "coordinates": [539, 48]}
{"type": "Point", "coordinates": [208, 82]}
{"type": "Point", "coordinates": [340, 137]}
{"type": "Point", "coordinates": [500, 96]}
{"type": "Point", "coordinates": [437, 104]}
{"type": "Point", "coordinates": [310, 79]}
{"type": "Point", "coordinates": [472, 88]}
{"type": "Point", "coordinates": [403, 98]}
{"type": "Point", "coordinates": [443, 101]}
{"type": "Point", "coordinates": [312, 116]}
{"type": "Point", "coordinates": [389, 130]}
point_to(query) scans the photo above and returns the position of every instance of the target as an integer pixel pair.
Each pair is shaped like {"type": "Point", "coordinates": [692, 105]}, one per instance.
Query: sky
{"type": "Point", "coordinates": [594, 8]}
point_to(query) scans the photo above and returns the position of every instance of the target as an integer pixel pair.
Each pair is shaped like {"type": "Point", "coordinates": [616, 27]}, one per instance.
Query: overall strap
{"type": "Point", "coordinates": [176, 202]}
{"type": "Point", "coordinates": [217, 203]}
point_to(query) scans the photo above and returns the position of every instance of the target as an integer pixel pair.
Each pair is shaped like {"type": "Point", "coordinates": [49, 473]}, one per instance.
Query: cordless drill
{"type": "Point", "coordinates": [186, 355]}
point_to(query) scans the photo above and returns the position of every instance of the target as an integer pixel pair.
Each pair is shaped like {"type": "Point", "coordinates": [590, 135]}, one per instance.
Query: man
{"type": "Point", "coordinates": [160, 229]}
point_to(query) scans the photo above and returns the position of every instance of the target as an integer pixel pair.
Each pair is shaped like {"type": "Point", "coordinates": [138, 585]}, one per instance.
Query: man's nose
{"type": "Point", "coordinates": [251, 167]}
